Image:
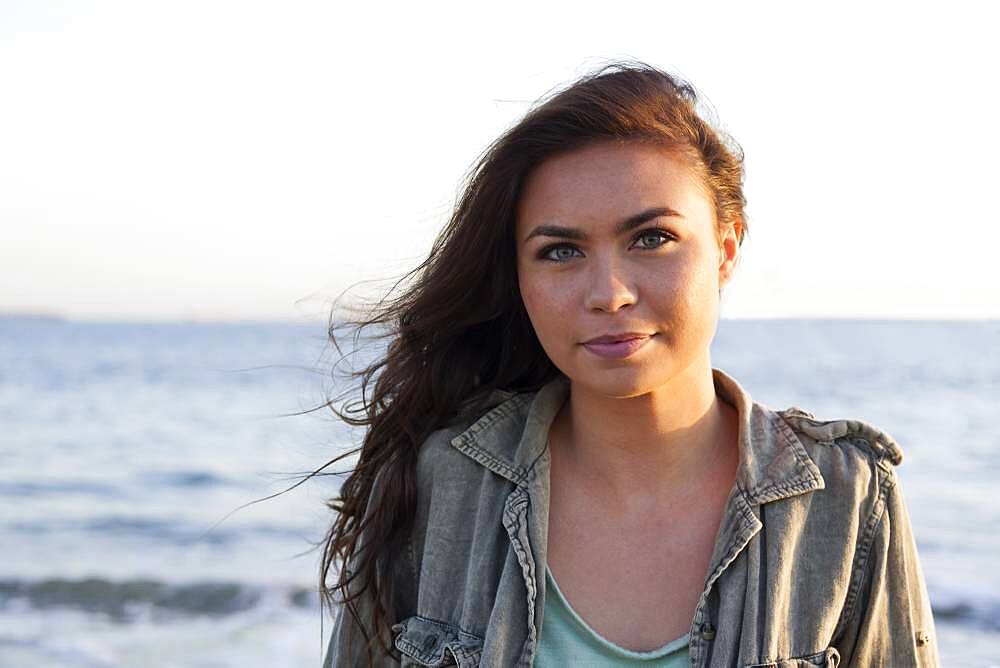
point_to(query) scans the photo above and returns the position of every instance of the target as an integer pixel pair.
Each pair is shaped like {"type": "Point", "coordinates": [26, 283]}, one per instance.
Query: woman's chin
{"type": "Point", "coordinates": [619, 383]}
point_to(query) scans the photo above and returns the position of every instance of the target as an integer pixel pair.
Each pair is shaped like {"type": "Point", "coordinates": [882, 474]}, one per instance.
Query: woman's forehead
{"type": "Point", "coordinates": [605, 183]}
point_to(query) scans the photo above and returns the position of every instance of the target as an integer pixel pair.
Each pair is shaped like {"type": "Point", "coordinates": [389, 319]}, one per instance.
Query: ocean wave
{"type": "Point", "coordinates": [983, 614]}
{"type": "Point", "coordinates": [185, 479]}
{"type": "Point", "coordinates": [38, 488]}
{"type": "Point", "coordinates": [130, 600]}
{"type": "Point", "coordinates": [161, 530]}
{"type": "Point", "coordinates": [125, 601]}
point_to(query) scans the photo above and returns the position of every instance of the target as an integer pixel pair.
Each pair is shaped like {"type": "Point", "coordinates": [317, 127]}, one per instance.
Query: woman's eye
{"type": "Point", "coordinates": [562, 252]}
{"type": "Point", "coordinates": [660, 236]}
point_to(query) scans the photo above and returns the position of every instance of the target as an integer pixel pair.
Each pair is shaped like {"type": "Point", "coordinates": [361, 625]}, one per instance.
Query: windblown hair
{"type": "Point", "coordinates": [459, 330]}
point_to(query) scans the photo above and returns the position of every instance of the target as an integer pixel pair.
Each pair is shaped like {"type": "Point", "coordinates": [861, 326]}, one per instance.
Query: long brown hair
{"type": "Point", "coordinates": [458, 330]}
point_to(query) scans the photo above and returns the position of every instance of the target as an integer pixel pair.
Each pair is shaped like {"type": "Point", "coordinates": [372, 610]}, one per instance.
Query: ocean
{"type": "Point", "coordinates": [129, 453]}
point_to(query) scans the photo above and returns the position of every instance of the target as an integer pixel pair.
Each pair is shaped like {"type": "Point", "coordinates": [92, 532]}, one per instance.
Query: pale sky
{"type": "Point", "coordinates": [250, 160]}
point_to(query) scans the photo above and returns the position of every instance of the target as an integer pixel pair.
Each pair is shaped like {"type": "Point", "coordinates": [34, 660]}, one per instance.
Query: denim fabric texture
{"type": "Point", "coordinates": [815, 562]}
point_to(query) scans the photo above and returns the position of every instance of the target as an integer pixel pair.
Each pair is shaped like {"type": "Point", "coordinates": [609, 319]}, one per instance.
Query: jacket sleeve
{"type": "Point", "coordinates": [891, 623]}
{"type": "Point", "coordinates": [347, 647]}
{"type": "Point", "coordinates": [347, 642]}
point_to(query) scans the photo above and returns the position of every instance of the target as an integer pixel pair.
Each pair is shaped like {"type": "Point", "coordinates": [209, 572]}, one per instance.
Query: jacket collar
{"type": "Point", "coordinates": [773, 464]}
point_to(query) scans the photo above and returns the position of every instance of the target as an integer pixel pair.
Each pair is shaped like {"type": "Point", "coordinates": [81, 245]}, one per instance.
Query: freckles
{"type": "Point", "coordinates": [529, 287]}
{"type": "Point", "coordinates": [539, 290]}
{"type": "Point", "coordinates": [667, 287]}
{"type": "Point", "coordinates": [548, 312]}
{"type": "Point", "coordinates": [536, 302]}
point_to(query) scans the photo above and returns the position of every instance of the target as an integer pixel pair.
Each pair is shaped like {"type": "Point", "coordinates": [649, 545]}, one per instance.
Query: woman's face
{"type": "Point", "coordinates": [620, 239]}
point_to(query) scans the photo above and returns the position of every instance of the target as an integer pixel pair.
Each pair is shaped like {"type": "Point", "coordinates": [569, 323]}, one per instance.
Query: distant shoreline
{"type": "Point", "coordinates": [33, 316]}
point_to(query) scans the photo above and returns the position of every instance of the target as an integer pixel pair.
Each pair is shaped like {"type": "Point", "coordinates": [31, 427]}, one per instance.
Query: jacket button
{"type": "Point", "coordinates": [707, 632]}
{"type": "Point", "coordinates": [923, 638]}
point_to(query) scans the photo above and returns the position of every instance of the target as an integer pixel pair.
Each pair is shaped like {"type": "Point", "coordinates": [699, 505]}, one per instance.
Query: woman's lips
{"type": "Point", "coordinates": [619, 349]}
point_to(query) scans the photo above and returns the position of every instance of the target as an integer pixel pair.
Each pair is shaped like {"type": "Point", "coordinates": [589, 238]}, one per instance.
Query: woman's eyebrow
{"type": "Point", "coordinates": [578, 235]}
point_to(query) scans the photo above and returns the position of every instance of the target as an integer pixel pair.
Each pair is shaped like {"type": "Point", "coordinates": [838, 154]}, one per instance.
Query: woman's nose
{"type": "Point", "coordinates": [609, 287]}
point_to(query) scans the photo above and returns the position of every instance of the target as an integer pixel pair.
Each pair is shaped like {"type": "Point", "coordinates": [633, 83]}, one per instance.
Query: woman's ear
{"type": "Point", "coordinates": [729, 250]}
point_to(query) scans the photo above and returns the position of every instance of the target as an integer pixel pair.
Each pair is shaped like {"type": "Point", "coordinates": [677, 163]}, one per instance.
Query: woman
{"type": "Point", "coordinates": [553, 472]}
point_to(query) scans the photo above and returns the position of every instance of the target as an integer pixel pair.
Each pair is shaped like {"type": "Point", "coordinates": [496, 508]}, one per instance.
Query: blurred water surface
{"type": "Point", "coordinates": [125, 447]}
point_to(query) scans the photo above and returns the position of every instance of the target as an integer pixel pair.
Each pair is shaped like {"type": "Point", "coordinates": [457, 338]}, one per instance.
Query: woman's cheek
{"type": "Point", "coordinates": [547, 308]}
{"type": "Point", "coordinates": [538, 313]}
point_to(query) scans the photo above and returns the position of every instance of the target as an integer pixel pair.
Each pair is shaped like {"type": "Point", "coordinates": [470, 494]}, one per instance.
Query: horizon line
{"type": "Point", "coordinates": [202, 320]}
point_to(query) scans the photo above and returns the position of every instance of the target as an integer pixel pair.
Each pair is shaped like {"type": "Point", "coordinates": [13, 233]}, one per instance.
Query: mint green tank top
{"type": "Point", "coordinates": [567, 640]}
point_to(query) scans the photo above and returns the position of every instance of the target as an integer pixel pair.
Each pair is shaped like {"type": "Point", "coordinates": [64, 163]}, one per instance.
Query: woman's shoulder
{"type": "Point", "coordinates": [822, 436]}
{"type": "Point", "coordinates": [856, 459]}
{"type": "Point", "coordinates": [854, 463]}
{"type": "Point", "coordinates": [472, 410]}
{"type": "Point", "coordinates": [436, 451]}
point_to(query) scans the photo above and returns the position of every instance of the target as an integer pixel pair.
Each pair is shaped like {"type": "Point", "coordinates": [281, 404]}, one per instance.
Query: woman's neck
{"type": "Point", "coordinates": [661, 447]}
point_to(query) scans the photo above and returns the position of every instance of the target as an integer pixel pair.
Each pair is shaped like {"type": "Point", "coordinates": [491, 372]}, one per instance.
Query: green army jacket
{"type": "Point", "coordinates": [815, 562]}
